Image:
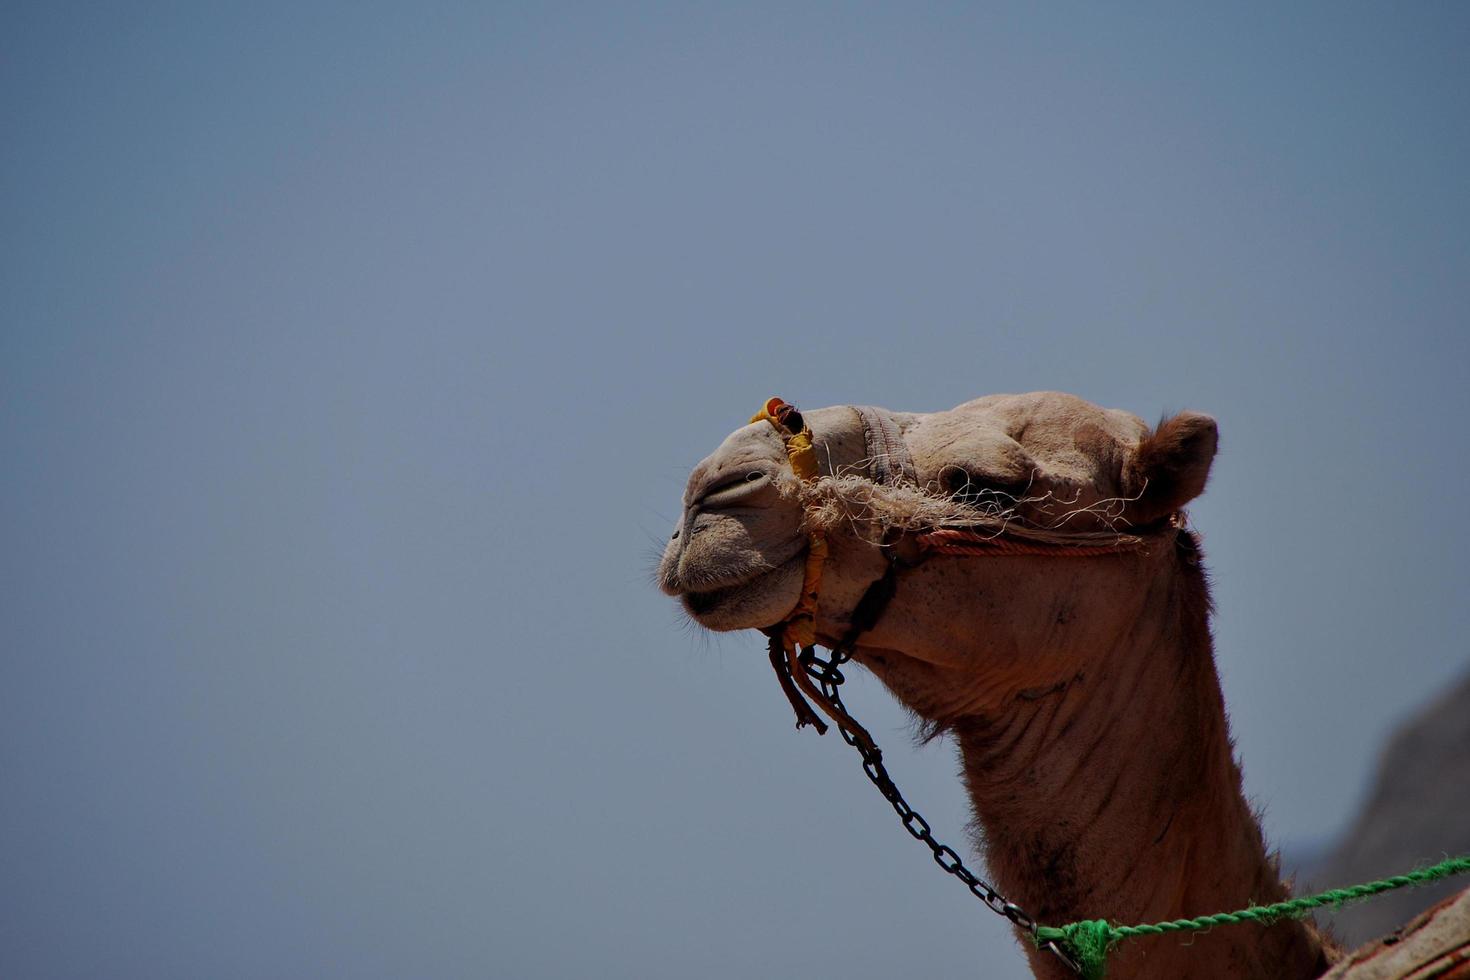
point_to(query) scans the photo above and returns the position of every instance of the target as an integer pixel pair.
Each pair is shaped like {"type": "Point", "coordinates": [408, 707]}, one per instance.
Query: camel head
{"type": "Point", "coordinates": [1045, 464]}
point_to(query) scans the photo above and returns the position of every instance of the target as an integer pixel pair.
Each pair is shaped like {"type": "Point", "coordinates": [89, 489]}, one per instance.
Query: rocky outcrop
{"type": "Point", "coordinates": [1417, 814]}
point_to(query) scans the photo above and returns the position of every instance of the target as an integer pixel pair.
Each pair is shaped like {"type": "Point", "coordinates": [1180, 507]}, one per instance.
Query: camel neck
{"type": "Point", "coordinates": [1116, 795]}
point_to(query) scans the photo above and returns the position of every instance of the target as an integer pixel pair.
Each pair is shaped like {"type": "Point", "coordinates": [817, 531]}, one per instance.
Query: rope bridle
{"type": "Point", "coordinates": [805, 679]}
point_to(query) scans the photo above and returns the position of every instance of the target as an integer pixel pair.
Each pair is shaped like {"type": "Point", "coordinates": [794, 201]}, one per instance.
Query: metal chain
{"type": "Point", "coordinates": [828, 675]}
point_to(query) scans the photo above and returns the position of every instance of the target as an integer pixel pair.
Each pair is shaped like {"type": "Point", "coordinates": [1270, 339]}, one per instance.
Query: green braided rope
{"type": "Point", "coordinates": [1091, 940]}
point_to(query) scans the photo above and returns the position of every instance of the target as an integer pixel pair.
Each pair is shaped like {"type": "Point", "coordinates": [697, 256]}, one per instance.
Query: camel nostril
{"type": "Point", "coordinates": [675, 537]}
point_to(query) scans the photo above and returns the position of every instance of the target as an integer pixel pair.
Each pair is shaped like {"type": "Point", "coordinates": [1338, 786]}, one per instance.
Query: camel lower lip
{"type": "Point", "coordinates": [708, 606]}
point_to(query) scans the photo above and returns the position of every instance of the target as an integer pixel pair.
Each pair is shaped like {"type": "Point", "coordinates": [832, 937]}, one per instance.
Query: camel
{"type": "Point", "coordinates": [1075, 672]}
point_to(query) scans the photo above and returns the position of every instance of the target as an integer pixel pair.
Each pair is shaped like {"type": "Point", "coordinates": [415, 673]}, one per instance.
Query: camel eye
{"type": "Point", "coordinates": [981, 491]}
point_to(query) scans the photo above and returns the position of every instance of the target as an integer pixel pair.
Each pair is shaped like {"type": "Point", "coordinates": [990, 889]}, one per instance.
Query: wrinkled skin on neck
{"type": "Point", "coordinates": [1082, 692]}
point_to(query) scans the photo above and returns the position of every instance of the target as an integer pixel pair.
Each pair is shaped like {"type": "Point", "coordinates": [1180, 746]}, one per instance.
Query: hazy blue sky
{"type": "Point", "coordinates": [353, 358]}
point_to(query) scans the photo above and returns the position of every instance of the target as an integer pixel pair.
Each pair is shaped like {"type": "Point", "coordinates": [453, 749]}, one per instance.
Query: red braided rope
{"type": "Point", "coordinates": [960, 541]}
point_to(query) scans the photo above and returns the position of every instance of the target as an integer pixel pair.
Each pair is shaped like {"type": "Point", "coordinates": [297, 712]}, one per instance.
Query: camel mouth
{"type": "Point", "coordinates": [699, 603]}
{"type": "Point", "coordinates": [721, 608]}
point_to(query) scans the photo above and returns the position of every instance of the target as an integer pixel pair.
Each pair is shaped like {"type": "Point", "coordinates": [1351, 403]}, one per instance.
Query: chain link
{"type": "Point", "coordinates": [828, 676]}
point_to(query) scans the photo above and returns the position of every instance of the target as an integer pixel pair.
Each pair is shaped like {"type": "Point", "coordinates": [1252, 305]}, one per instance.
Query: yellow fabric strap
{"type": "Point", "coordinates": [801, 625]}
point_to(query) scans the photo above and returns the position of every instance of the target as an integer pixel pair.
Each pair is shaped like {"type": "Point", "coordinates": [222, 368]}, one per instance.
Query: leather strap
{"type": "Point", "coordinates": [889, 461]}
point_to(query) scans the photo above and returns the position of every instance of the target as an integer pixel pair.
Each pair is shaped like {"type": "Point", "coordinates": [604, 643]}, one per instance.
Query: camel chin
{"type": "Point", "coordinates": [753, 603]}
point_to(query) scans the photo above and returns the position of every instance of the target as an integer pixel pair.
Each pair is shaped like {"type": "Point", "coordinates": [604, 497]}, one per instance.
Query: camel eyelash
{"type": "Point", "coordinates": [976, 489]}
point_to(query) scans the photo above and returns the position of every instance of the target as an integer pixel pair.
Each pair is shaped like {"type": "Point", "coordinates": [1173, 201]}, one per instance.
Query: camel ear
{"type": "Point", "coordinates": [1170, 466]}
